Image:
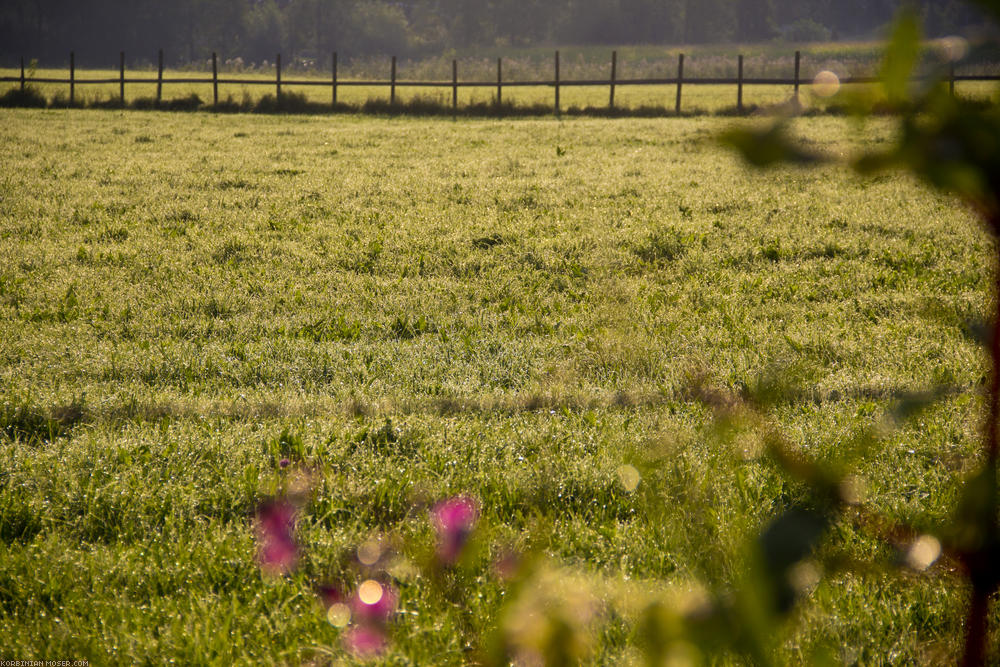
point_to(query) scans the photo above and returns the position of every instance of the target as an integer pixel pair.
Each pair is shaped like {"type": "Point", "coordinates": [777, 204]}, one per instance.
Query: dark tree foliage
{"type": "Point", "coordinates": [255, 30]}
{"type": "Point", "coordinates": [708, 21]}
{"type": "Point", "coordinates": [755, 20]}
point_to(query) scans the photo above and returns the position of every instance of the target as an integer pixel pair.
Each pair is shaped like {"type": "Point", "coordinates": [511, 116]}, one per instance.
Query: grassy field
{"type": "Point", "coordinates": [411, 309]}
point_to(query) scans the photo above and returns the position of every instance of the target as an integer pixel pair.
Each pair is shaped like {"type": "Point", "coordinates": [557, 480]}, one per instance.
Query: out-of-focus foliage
{"type": "Point", "coordinates": [953, 145]}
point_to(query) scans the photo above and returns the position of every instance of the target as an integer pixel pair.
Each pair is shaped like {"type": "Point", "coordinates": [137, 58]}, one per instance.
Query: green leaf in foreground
{"type": "Point", "coordinates": [768, 147]}
{"type": "Point", "coordinates": [900, 58]}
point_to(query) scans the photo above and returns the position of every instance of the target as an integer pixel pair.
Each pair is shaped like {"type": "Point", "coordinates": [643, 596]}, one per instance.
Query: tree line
{"type": "Point", "coordinates": [255, 30]}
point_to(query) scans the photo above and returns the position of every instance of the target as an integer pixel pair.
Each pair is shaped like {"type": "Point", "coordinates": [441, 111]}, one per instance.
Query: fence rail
{"type": "Point", "coordinates": [613, 82]}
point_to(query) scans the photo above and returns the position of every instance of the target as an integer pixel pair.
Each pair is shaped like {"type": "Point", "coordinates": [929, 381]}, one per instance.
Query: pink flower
{"type": "Point", "coordinates": [364, 641]}
{"type": "Point", "coordinates": [277, 551]}
{"type": "Point", "coordinates": [454, 520]}
{"type": "Point", "coordinates": [283, 463]}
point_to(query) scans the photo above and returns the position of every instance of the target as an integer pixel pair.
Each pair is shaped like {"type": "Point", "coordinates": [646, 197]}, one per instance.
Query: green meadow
{"type": "Point", "coordinates": [412, 309]}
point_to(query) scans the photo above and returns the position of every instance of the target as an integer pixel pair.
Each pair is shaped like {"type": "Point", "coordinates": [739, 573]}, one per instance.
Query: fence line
{"type": "Point", "coordinates": [556, 82]}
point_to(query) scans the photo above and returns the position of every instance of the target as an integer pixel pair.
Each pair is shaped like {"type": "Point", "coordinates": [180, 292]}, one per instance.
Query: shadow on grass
{"type": "Point", "coordinates": [298, 103]}
{"type": "Point", "coordinates": [33, 424]}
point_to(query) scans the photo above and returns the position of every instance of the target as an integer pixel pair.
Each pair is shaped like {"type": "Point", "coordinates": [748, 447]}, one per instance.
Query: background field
{"type": "Point", "coordinates": [510, 309]}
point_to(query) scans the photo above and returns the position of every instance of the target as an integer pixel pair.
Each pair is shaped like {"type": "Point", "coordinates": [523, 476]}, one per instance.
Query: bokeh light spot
{"type": "Point", "coordinates": [339, 615]}
{"type": "Point", "coordinates": [370, 592]}
{"type": "Point", "coordinates": [953, 48]}
{"type": "Point", "coordinates": [853, 490]}
{"type": "Point", "coordinates": [629, 477]}
{"type": "Point", "coordinates": [923, 552]}
{"type": "Point", "coordinates": [826, 84]}
{"type": "Point", "coordinates": [682, 654]}
{"type": "Point", "coordinates": [804, 576]}
{"type": "Point", "coordinates": [402, 569]}
{"type": "Point", "coordinates": [369, 552]}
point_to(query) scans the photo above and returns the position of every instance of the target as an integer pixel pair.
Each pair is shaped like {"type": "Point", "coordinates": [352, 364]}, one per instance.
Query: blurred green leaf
{"type": "Point", "coordinates": [786, 542]}
{"type": "Point", "coordinates": [871, 163]}
{"type": "Point", "coordinates": [954, 146]}
{"type": "Point", "coordinates": [768, 147]}
{"type": "Point", "coordinates": [901, 56]}
{"type": "Point", "coordinates": [975, 525]}
{"type": "Point", "coordinates": [657, 629]}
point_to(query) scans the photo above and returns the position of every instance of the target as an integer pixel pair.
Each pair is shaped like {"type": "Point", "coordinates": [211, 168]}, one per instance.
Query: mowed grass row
{"type": "Point", "coordinates": [418, 308]}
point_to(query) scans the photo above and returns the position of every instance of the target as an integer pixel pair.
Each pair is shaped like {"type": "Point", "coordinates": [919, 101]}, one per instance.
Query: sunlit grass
{"type": "Point", "coordinates": [512, 310]}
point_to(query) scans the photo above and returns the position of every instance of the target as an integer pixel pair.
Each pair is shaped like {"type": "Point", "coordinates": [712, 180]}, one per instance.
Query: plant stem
{"type": "Point", "coordinates": [980, 563]}
{"type": "Point", "coordinates": [993, 418]}
{"type": "Point", "coordinates": [975, 629]}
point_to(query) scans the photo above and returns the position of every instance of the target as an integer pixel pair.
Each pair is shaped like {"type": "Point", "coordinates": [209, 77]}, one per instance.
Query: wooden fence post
{"type": "Point", "coordinates": [22, 73]}
{"type": "Point", "coordinates": [392, 82]}
{"type": "Point", "coordinates": [558, 111]}
{"type": "Point", "coordinates": [159, 79]}
{"type": "Point", "coordinates": [798, 60]}
{"type": "Point", "coordinates": [72, 78]}
{"type": "Point", "coordinates": [121, 77]}
{"type": "Point", "coordinates": [499, 83]}
{"type": "Point", "coordinates": [277, 80]}
{"type": "Point", "coordinates": [334, 79]}
{"type": "Point", "coordinates": [215, 79]}
{"type": "Point", "coordinates": [739, 86]}
{"type": "Point", "coordinates": [454, 89]}
{"type": "Point", "coordinates": [680, 78]}
{"type": "Point", "coordinates": [614, 72]}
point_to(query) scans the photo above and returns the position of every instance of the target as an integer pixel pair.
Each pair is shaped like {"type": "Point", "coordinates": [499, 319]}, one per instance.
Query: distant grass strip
{"type": "Point", "coordinates": [299, 103]}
